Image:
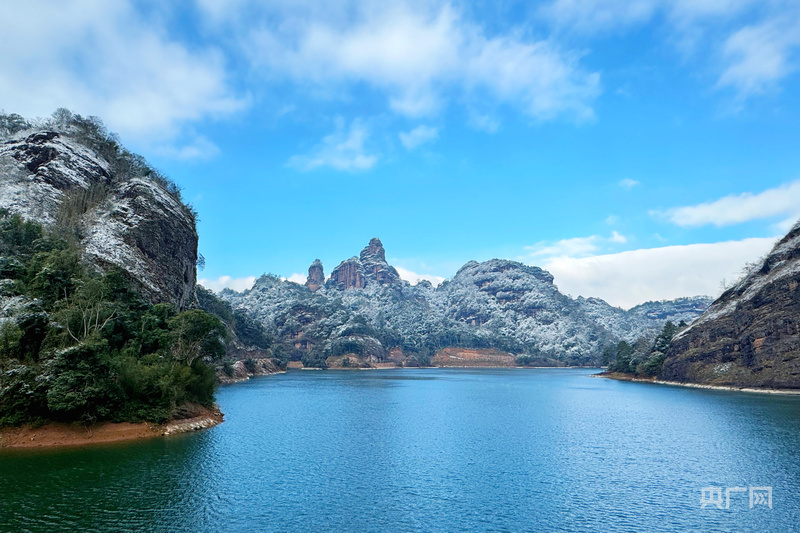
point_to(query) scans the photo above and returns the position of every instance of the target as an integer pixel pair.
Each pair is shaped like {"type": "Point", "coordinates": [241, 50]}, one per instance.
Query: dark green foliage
{"type": "Point", "coordinates": [84, 346]}
{"type": "Point", "coordinates": [622, 360]}
{"type": "Point", "coordinates": [249, 332]}
{"type": "Point", "coordinates": [642, 359]}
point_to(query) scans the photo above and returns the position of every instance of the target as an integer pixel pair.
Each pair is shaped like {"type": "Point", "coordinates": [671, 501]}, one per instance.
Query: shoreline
{"type": "Point", "coordinates": [727, 388]}
{"type": "Point", "coordinates": [63, 435]}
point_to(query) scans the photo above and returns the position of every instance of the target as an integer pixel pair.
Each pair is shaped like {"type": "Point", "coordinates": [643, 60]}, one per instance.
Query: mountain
{"type": "Point", "coordinates": [749, 336]}
{"type": "Point", "coordinates": [98, 311]}
{"type": "Point", "coordinates": [365, 313]}
{"type": "Point", "coordinates": [72, 175]}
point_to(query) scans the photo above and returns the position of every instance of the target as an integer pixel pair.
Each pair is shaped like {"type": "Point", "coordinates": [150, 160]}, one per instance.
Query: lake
{"type": "Point", "coordinates": [433, 450]}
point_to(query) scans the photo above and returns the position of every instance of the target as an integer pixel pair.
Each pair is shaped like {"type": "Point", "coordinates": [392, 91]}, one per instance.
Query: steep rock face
{"type": "Point", "coordinates": [750, 336]}
{"type": "Point", "coordinates": [316, 276]}
{"type": "Point", "coordinates": [348, 275]}
{"type": "Point", "coordinates": [131, 223]}
{"type": "Point", "coordinates": [374, 265]}
{"type": "Point", "coordinates": [369, 268]}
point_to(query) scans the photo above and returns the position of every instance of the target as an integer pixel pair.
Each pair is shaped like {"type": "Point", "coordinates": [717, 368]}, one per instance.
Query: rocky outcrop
{"type": "Point", "coordinates": [348, 275]}
{"type": "Point", "coordinates": [122, 220]}
{"type": "Point", "coordinates": [244, 369]}
{"type": "Point", "coordinates": [374, 265]}
{"type": "Point", "coordinates": [316, 276]}
{"type": "Point", "coordinates": [750, 336]}
{"type": "Point", "coordinates": [370, 268]}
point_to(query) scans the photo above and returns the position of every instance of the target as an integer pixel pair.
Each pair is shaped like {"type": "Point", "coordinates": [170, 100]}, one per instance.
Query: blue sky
{"type": "Point", "coordinates": [638, 149]}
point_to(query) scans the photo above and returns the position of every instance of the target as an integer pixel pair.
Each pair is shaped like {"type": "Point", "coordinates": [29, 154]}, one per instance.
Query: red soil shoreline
{"type": "Point", "coordinates": [63, 435]}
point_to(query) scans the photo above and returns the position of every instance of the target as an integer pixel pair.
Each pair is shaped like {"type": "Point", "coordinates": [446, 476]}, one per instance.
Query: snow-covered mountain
{"type": "Point", "coordinates": [365, 309]}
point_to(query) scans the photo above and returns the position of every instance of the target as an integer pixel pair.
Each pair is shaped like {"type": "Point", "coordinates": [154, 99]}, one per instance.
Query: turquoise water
{"type": "Point", "coordinates": [430, 450]}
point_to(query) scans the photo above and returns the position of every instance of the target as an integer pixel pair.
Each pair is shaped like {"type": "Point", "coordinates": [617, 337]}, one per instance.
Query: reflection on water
{"type": "Point", "coordinates": [429, 450]}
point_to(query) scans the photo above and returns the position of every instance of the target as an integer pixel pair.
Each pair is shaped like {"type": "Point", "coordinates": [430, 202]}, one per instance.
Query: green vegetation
{"type": "Point", "coordinates": [642, 359]}
{"type": "Point", "coordinates": [81, 345]}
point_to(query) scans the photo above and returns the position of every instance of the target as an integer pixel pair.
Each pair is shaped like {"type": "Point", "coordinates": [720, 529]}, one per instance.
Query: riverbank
{"type": "Point", "coordinates": [627, 377]}
{"type": "Point", "coordinates": [63, 435]}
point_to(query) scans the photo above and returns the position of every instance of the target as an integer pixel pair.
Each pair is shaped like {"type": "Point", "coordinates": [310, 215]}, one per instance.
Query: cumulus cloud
{"type": "Point", "coordinates": [227, 282]}
{"type": "Point", "coordinates": [341, 150]}
{"type": "Point", "coordinates": [735, 209]}
{"type": "Point", "coordinates": [628, 184]}
{"type": "Point", "coordinates": [107, 59]}
{"type": "Point", "coordinates": [629, 278]}
{"type": "Point", "coordinates": [574, 247]}
{"type": "Point", "coordinates": [752, 44]}
{"type": "Point", "coordinates": [758, 56]}
{"type": "Point", "coordinates": [418, 136]}
{"type": "Point", "coordinates": [414, 53]}
{"type": "Point", "coordinates": [297, 278]}
{"type": "Point", "coordinates": [414, 278]}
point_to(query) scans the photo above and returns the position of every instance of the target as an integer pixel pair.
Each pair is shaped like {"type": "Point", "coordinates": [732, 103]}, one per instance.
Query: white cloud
{"type": "Point", "coordinates": [629, 278]}
{"type": "Point", "coordinates": [414, 278]}
{"type": "Point", "coordinates": [227, 282]}
{"type": "Point", "coordinates": [628, 184]}
{"type": "Point", "coordinates": [341, 150]}
{"type": "Point", "coordinates": [750, 44]}
{"type": "Point", "coordinates": [735, 209]}
{"type": "Point", "coordinates": [598, 15]}
{"type": "Point", "coordinates": [106, 59]}
{"type": "Point", "coordinates": [297, 278]}
{"type": "Point", "coordinates": [415, 52]}
{"type": "Point", "coordinates": [759, 56]}
{"type": "Point", "coordinates": [617, 238]}
{"type": "Point", "coordinates": [574, 247]}
{"type": "Point", "coordinates": [420, 135]}
{"type": "Point", "coordinates": [199, 149]}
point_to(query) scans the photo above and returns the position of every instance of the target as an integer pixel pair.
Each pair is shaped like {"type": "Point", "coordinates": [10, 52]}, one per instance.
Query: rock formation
{"type": "Point", "coordinates": [750, 336]}
{"type": "Point", "coordinates": [369, 268]}
{"type": "Point", "coordinates": [128, 221]}
{"type": "Point", "coordinates": [374, 265]}
{"type": "Point", "coordinates": [316, 276]}
{"type": "Point", "coordinates": [348, 275]}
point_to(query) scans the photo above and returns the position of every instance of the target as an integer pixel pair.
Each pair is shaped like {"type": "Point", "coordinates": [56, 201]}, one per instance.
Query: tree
{"type": "Point", "coordinates": [622, 362]}
{"type": "Point", "coordinates": [196, 334]}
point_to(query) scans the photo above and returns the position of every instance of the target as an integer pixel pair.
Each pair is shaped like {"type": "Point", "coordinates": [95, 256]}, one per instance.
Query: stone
{"type": "Point", "coordinates": [749, 336]}
{"type": "Point", "coordinates": [316, 276]}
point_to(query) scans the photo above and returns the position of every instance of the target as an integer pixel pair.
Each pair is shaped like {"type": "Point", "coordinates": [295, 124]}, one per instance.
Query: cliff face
{"type": "Point", "coordinates": [133, 223]}
{"type": "Point", "coordinates": [750, 336]}
{"type": "Point", "coordinates": [316, 276]}
{"type": "Point", "coordinates": [369, 268]}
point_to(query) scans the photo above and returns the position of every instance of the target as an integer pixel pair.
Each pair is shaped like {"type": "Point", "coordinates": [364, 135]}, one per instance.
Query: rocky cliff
{"type": "Point", "coordinates": [316, 276]}
{"type": "Point", "coordinates": [367, 311]}
{"type": "Point", "coordinates": [121, 211]}
{"type": "Point", "coordinates": [369, 268]}
{"type": "Point", "coordinates": [750, 336]}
